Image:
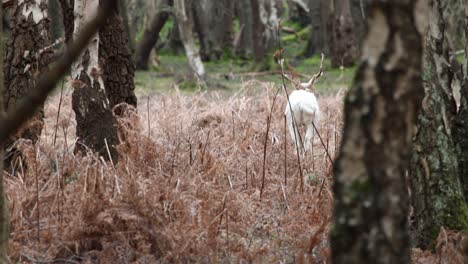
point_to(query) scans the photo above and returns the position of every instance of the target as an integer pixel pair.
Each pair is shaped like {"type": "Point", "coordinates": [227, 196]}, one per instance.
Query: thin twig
{"type": "Point", "coordinates": [265, 143]}
{"type": "Point", "coordinates": [58, 112]}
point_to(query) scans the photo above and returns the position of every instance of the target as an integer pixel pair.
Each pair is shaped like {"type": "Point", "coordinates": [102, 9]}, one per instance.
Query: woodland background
{"type": "Point", "coordinates": [165, 141]}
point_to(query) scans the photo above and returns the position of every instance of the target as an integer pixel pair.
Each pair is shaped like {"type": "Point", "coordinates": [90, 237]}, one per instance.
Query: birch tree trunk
{"type": "Point", "coordinates": [27, 57]}
{"type": "Point", "coordinates": [95, 123]}
{"type": "Point", "coordinates": [371, 202]}
{"type": "Point", "coordinates": [151, 34]}
{"type": "Point", "coordinates": [438, 160]}
{"type": "Point", "coordinates": [185, 24]}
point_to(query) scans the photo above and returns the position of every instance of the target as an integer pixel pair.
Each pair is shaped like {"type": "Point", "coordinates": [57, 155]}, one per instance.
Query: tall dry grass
{"type": "Point", "coordinates": [186, 188]}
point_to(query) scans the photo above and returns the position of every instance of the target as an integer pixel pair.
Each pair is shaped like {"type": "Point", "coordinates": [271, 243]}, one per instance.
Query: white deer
{"type": "Point", "coordinates": [303, 109]}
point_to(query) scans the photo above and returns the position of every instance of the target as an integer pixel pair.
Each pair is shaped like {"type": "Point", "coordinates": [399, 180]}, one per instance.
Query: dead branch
{"type": "Point", "coordinates": [47, 82]}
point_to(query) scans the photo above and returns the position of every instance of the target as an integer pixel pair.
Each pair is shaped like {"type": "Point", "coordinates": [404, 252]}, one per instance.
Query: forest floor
{"type": "Point", "coordinates": [193, 184]}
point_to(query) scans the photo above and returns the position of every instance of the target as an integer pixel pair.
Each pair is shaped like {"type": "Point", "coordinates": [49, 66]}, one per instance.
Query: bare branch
{"type": "Point", "coordinates": [28, 105]}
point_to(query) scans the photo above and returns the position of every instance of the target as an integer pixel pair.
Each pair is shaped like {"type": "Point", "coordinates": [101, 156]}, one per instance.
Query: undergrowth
{"type": "Point", "coordinates": [186, 188]}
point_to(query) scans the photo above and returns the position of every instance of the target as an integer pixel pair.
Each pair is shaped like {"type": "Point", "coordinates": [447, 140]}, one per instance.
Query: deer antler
{"type": "Point", "coordinates": [310, 84]}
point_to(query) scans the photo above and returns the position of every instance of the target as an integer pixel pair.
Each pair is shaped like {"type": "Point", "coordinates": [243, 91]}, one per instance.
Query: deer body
{"type": "Point", "coordinates": [305, 110]}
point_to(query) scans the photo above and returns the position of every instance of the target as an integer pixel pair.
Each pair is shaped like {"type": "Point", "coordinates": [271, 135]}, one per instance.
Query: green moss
{"type": "Point", "coordinates": [301, 35]}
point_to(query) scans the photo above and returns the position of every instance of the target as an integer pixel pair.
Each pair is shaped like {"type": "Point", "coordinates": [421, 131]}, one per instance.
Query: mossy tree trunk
{"type": "Point", "coordinates": [27, 57]}
{"type": "Point", "coordinates": [115, 59]}
{"type": "Point", "coordinates": [440, 144]}
{"type": "Point", "coordinates": [151, 34]}
{"type": "Point", "coordinates": [371, 201]}
{"type": "Point", "coordinates": [95, 123]}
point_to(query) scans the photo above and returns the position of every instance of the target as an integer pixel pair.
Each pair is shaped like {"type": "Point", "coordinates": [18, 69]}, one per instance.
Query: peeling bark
{"type": "Point", "coordinates": [27, 56]}
{"type": "Point", "coordinates": [437, 193]}
{"type": "Point", "coordinates": [371, 202]}
{"type": "Point", "coordinates": [115, 59]}
{"type": "Point", "coordinates": [95, 123]}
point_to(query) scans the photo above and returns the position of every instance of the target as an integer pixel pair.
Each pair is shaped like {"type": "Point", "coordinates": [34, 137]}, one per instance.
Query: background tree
{"type": "Point", "coordinates": [342, 37]}
{"type": "Point", "coordinates": [265, 25]}
{"type": "Point", "coordinates": [318, 14]}
{"type": "Point", "coordinates": [214, 31]}
{"type": "Point", "coordinates": [244, 47]}
{"type": "Point", "coordinates": [439, 159]}
{"type": "Point", "coordinates": [371, 201]}
{"type": "Point", "coordinates": [4, 216]}
{"type": "Point", "coordinates": [95, 123]}
{"type": "Point", "coordinates": [151, 34]}
{"type": "Point", "coordinates": [115, 59]}
{"type": "Point", "coordinates": [185, 24]}
{"type": "Point", "coordinates": [27, 56]}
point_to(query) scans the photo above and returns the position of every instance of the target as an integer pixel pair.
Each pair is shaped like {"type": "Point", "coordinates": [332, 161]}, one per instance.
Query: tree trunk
{"type": "Point", "coordinates": [461, 121]}
{"type": "Point", "coordinates": [68, 18]}
{"type": "Point", "coordinates": [342, 38]}
{"type": "Point", "coordinates": [95, 123]}
{"type": "Point", "coordinates": [4, 215]}
{"type": "Point", "coordinates": [436, 170]}
{"type": "Point", "coordinates": [246, 26]}
{"type": "Point", "coordinates": [265, 26]}
{"type": "Point", "coordinates": [115, 59]}
{"type": "Point", "coordinates": [358, 14]}
{"type": "Point", "coordinates": [371, 204]}
{"type": "Point", "coordinates": [124, 15]}
{"type": "Point", "coordinates": [174, 43]}
{"type": "Point", "coordinates": [185, 24]}
{"type": "Point", "coordinates": [299, 11]}
{"type": "Point", "coordinates": [214, 30]}
{"type": "Point", "coordinates": [151, 35]}
{"type": "Point", "coordinates": [318, 16]}
{"type": "Point", "coordinates": [27, 57]}
{"type": "Point", "coordinates": [56, 24]}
